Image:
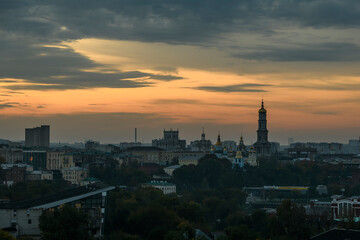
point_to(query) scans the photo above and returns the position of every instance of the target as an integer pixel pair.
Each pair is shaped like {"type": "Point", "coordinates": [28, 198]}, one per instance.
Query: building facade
{"type": "Point", "coordinates": [170, 141]}
{"type": "Point", "coordinates": [262, 145]}
{"type": "Point", "coordinates": [38, 136]}
{"type": "Point", "coordinates": [165, 187]}
{"type": "Point", "coordinates": [74, 174]}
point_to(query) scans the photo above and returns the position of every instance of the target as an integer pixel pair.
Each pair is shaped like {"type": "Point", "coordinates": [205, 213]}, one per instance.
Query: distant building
{"type": "Point", "coordinates": [170, 169]}
{"type": "Point", "coordinates": [202, 145]}
{"type": "Point", "coordinates": [275, 147]}
{"type": "Point", "coordinates": [262, 145]}
{"type": "Point", "coordinates": [188, 160]}
{"type": "Point", "coordinates": [170, 141]}
{"type": "Point", "coordinates": [11, 155]}
{"type": "Point", "coordinates": [35, 158]}
{"type": "Point", "coordinates": [125, 145]}
{"type": "Point", "coordinates": [251, 158]}
{"type": "Point", "coordinates": [165, 187]}
{"type": "Point", "coordinates": [38, 175]}
{"type": "Point", "coordinates": [343, 207]}
{"type": "Point", "coordinates": [91, 145]}
{"type": "Point", "coordinates": [302, 153]}
{"type": "Point", "coordinates": [145, 154]}
{"type": "Point", "coordinates": [12, 173]}
{"type": "Point", "coordinates": [74, 174]}
{"type": "Point", "coordinates": [38, 136]}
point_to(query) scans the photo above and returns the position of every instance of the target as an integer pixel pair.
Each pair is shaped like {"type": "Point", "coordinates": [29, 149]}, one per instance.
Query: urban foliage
{"type": "Point", "coordinates": [5, 235]}
{"type": "Point", "coordinates": [64, 223]}
{"type": "Point", "coordinates": [148, 214]}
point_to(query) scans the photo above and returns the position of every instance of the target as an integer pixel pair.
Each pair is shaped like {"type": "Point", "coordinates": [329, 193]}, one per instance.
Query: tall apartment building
{"type": "Point", "coordinates": [38, 136]}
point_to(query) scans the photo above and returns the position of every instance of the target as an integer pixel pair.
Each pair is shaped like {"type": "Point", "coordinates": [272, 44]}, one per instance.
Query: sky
{"type": "Point", "coordinates": [98, 69]}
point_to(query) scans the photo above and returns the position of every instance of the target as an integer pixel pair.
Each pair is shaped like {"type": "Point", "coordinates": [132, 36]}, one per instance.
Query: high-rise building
{"type": "Point", "coordinates": [262, 145]}
{"type": "Point", "coordinates": [38, 136]}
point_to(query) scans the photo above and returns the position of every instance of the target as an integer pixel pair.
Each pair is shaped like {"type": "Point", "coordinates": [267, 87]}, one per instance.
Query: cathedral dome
{"type": "Point", "coordinates": [262, 109]}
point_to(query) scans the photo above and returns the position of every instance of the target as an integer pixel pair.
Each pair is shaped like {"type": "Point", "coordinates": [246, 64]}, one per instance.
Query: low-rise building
{"type": "Point", "coordinates": [189, 160]}
{"type": "Point", "coordinates": [345, 207]}
{"type": "Point", "coordinates": [22, 218]}
{"type": "Point", "coordinates": [38, 175]}
{"type": "Point", "coordinates": [170, 169]}
{"type": "Point", "coordinates": [165, 187]}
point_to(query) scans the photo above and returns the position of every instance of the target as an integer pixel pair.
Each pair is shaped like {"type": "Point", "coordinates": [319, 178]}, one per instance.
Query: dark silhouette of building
{"type": "Point", "coordinates": [170, 142]}
{"type": "Point", "coordinates": [38, 136]}
{"type": "Point", "coordinates": [202, 145]}
{"type": "Point", "coordinates": [262, 145]}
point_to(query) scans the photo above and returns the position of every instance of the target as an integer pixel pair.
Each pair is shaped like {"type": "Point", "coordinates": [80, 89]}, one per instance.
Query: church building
{"type": "Point", "coordinates": [262, 145]}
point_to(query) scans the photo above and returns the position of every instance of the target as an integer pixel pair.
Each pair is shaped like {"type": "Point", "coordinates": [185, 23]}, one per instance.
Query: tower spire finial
{"type": "Point", "coordinates": [262, 102]}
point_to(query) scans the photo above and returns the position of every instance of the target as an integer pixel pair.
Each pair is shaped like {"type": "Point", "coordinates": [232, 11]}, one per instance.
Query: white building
{"type": "Point", "coordinates": [164, 186]}
{"type": "Point", "coordinates": [170, 169]}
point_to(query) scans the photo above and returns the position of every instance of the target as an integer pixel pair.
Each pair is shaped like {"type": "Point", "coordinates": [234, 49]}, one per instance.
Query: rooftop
{"type": "Point", "coordinates": [59, 198]}
{"type": "Point", "coordinates": [159, 183]}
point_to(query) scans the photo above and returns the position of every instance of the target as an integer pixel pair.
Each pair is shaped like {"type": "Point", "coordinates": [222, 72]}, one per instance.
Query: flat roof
{"type": "Point", "coordinates": [57, 199]}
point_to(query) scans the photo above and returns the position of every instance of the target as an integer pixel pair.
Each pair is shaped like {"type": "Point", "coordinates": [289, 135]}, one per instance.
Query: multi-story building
{"type": "Point", "coordinates": [36, 158]}
{"type": "Point", "coordinates": [12, 173]}
{"type": "Point", "coordinates": [202, 145]}
{"type": "Point", "coordinates": [145, 154]}
{"type": "Point", "coordinates": [38, 136]}
{"type": "Point", "coordinates": [165, 187]}
{"type": "Point", "coordinates": [11, 155]}
{"type": "Point", "coordinates": [74, 174]}
{"type": "Point", "coordinates": [53, 160]}
{"type": "Point", "coordinates": [170, 141]}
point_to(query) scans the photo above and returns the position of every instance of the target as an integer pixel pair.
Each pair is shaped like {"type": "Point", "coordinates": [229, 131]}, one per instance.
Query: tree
{"type": "Point", "coordinates": [292, 219]}
{"type": "Point", "coordinates": [64, 223]}
{"type": "Point", "coordinates": [6, 236]}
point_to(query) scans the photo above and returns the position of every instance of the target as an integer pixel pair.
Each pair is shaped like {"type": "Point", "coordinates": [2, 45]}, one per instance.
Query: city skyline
{"type": "Point", "coordinates": [98, 70]}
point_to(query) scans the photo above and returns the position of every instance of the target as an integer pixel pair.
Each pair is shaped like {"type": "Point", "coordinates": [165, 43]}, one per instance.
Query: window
{"type": "Point", "coordinates": [29, 221]}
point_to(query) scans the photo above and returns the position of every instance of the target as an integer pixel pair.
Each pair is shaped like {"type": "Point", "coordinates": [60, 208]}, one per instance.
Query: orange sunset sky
{"type": "Point", "coordinates": [98, 69]}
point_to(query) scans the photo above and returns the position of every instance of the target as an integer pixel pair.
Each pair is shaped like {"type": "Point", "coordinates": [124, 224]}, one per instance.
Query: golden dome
{"type": "Point", "coordinates": [262, 109]}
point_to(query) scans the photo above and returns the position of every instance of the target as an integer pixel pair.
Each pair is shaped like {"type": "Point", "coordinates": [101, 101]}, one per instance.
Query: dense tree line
{"type": "Point", "coordinates": [212, 172]}
{"type": "Point", "coordinates": [127, 175]}
{"type": "Point", "coordinates": [148, 214]}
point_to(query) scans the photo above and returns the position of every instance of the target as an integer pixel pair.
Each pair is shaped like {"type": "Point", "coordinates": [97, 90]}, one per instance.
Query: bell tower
{"type": "Point", "coordinates": [262, 145]}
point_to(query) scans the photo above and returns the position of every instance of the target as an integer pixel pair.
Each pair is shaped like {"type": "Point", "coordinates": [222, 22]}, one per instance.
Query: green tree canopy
{"type": "Point", "coordinates": [64, 223]}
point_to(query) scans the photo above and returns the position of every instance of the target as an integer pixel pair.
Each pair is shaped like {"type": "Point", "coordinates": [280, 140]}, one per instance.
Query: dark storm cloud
{"type": "Point", "coordinates": [50, 68]}
{"type": "Point", "coordinates": [26, 25]}
{"type": "Point", "coordinates": [326, 52]}
{"type": "Point", "coordinates": [234, 88]}
{"type": "Point", "coordinates": [169, 21]}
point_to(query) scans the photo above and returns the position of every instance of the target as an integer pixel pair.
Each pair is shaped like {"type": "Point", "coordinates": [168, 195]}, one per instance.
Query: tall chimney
{"type": "Point", "coordinates": [135, 135]}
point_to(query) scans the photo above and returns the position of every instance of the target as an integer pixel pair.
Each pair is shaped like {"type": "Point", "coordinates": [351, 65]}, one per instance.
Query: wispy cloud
{"type": "Point", "coordinates": [250, 87]}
